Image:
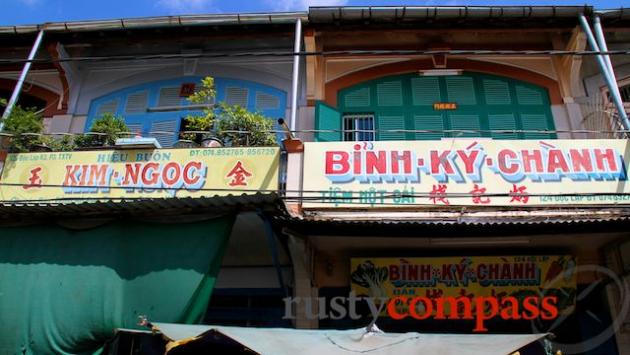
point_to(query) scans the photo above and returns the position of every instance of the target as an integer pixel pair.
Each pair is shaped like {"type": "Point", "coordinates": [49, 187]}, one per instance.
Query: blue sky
{"type": "Point", "coordinates": [15, 12]}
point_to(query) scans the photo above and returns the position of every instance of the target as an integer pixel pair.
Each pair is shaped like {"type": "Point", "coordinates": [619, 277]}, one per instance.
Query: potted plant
{"type": "Point", "coordinates": [25, 126]}
{"type": "Point", "coordinates": [238, 127]}
{"type": "Point", "coordinates": [225, 124]}
{"type": "Point", "coordinates": [108, 128]}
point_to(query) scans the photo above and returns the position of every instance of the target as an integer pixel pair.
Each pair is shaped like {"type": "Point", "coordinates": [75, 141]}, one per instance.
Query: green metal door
{"type": "Point", "coordinates": [486, 105]}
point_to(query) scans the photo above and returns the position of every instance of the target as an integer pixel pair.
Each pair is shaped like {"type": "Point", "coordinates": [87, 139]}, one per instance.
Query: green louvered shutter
{"type": "Point", "coordinates": [425, 91]}
{"type": "Point", "coordinates": [357, 98]}
{"type": "Point", "coordinates": [390, 122]}
{"type": "Point", "coordinates": [502, 121]}
{"type": "Point", "coordinates": [389, 94]}
{"type": "Point", "coordinates": [465, 122]}
{"type": "Point", "coordinates": [535, 121]}
{"type": "Point", "coordinates": [461, 89]}
{"type": "Point", "coordinates": [327, 118]}
{"type": "Point", "coordinates": [433, 122]}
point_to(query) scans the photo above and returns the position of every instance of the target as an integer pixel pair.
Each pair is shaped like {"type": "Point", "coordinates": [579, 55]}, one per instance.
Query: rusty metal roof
{"type": "Point", "coordinates": [153, 206]}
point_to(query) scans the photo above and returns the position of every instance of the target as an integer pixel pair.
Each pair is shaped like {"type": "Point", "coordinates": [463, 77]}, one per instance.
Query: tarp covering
{"type": "Point", "coordinates": [315, 342]}
{"type": "Point", "coordinates": [66, 291]}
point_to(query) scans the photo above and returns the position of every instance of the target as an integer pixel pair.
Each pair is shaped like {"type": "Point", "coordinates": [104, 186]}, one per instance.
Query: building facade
{"type": "Point", "coordinates": [423, 137]}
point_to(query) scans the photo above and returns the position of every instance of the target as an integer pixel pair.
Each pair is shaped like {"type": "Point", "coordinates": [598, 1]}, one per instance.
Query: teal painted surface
{"type": "Point", "coordinates": [484, 102]}
{"type": "Point", "coordinates": [64, 291]}
{"type": "Point", "coordinates": [327, 118]}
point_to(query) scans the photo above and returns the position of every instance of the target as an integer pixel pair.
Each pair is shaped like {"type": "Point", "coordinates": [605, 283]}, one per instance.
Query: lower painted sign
{"type": "Point", "coordinates": [497, 277]}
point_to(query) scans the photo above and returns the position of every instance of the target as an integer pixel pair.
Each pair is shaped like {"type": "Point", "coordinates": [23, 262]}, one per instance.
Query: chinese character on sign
{"type": "Point", "coordinates": [35, 180]}
{"type": "Point", "coordinates": [438, 194]}
{"type": "Point", "coordinates": [478, 195]}
{"type": "Point", "coordinates": [519, 194]}
{"type": "Point", "coordinates": [238, 174]}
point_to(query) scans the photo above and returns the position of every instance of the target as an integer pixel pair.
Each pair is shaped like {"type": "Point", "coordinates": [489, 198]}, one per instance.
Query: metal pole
{"type": "Point", "coordinates": [18, 86]}
{"type": "Point", "coordinates": [296, 72]}
{"type": "Point", "coordinates": [608, 77]}
{"type": "Point", "coordinates": [601, 40]}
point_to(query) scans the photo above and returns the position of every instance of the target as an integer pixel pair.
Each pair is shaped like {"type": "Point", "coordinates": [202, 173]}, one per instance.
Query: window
{"type": "Point", "coordinates": [358, 127]}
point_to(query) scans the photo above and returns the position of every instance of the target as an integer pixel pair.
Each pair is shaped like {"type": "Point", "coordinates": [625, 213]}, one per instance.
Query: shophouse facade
{"type": "Point", "coordinates": [374, 87]}
{"type": "Point", "coordinates": [413, 86]}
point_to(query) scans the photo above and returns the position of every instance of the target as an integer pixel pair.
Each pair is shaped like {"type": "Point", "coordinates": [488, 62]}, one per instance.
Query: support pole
{"type": "Point", "coordinates": [613, 89]}
{"type": "Point", "coordinates": [18, 86]}
{"type": "Point", "coordinates": [296, 73]}
{"type": "Point", "coordinates": [271, 240]}
{"type": "Point", "coordinates": [601, 41]}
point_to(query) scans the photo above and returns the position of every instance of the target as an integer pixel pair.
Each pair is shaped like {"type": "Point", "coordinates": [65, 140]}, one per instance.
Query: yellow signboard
{"type": "Point", "coordinates": [487, 276]}
{"type": "Point", "coordinates": [128, 174]}
{"type": "Point", "coordinates": [474, 172]}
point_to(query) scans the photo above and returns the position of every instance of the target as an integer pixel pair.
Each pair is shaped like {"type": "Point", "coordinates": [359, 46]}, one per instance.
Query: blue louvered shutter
{"type": "Point", "coordinates": [327, 118]}
{"type": "Point", "coordinates": [505, 122]}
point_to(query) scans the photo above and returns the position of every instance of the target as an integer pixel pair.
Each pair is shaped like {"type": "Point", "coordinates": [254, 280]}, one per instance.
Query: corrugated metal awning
{"type": "Point", "coordinates": [223, 204]}
{"type": "Point", "coordinates": [279, 341]}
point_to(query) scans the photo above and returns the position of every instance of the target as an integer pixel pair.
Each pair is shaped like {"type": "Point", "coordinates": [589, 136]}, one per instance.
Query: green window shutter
{"type": "Point", "coordinates": [429, 122]}
{"type": "Point", "coordinates": [461, 89]}
{"type": "Point", "coordinates": [389, 93]}
{"type": "Point", "coordinates": [535, 121]}
{"type": "Point", "coordinates": [327, 118]}
{"type": "Point", "coordinates": [502, 121]}
{"type": "Point", "coordinates": [425, 91]}
{"type": "Point", "coordinates": [459, 121]}
{"type": "Point", "coordinates": [357, 98]}
{"type": "Point", "coordinates": [389, 123]}
{"type": "Point", "coordinates": [529, 96]}
{"type": "Point", "coordinates": [497, 92]}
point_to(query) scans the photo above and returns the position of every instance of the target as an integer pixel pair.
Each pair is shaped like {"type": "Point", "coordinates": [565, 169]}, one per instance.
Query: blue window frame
{"type": "Point", "coordinates": [132, 104]}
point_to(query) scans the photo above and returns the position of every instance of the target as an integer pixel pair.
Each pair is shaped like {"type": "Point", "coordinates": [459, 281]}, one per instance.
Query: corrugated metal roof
{"type": "Point", "coordinates": [222, 204]}
{"type": "Point", "coordinates": [429, 14]}
{"type": "Point", "coordinates": [277, 18]}
{"type": "Point", "coordinates": [472, 217]}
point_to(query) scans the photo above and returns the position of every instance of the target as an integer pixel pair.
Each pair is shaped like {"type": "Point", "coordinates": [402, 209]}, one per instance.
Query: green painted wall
{"type": "Point", "coordinates": [484, 102]}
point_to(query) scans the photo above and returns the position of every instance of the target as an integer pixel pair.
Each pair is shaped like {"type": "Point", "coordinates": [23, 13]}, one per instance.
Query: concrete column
{"type": "Point", "coordinates": [622, 336]}
{"type": "Point", "coordinates": [303, 284]}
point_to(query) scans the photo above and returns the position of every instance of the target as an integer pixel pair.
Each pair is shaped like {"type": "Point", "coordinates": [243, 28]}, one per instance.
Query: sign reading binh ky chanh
{"type": "Point", "coordinates": [516, 287]}
{"type": "Point", "coordinates": [469, 172]}
{"type": "Point", "coordinates": [128, 174]}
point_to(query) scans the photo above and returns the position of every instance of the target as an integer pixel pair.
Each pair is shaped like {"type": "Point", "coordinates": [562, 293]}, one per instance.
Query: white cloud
{"type": "Point", "coordinates": [182, 5]}
{"type": "Point", "coordinates": [292, 5]}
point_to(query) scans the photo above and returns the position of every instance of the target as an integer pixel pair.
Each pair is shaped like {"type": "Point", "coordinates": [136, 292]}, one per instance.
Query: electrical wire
{"type": "Point", "coordinates": [314, 53]}
{"type": "Point", "coordinates": [460, 131]}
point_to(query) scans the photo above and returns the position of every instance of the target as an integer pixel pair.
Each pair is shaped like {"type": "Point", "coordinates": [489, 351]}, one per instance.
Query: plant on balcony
{"type": "Point", "coordinates": [26, 126]}
{"type": "Point", "coordinates": [233, 125]}
{"type": "Point", "coordinates": [241, 128]}
{"type": "Point", "coordinates": [194, 123]}
{"type": "Point", "coordinates": [110, 128]}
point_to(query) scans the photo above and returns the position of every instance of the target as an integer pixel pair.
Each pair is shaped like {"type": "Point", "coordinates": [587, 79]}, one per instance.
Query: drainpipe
{"type": "Point", "coordinates": [296, 72]}
{"type": "Point", "coordinates": [18, 86]}
{"type": "Point", "coordinates": [607, 72]}
{"type": "Point", "coordinates": [601, 40]}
